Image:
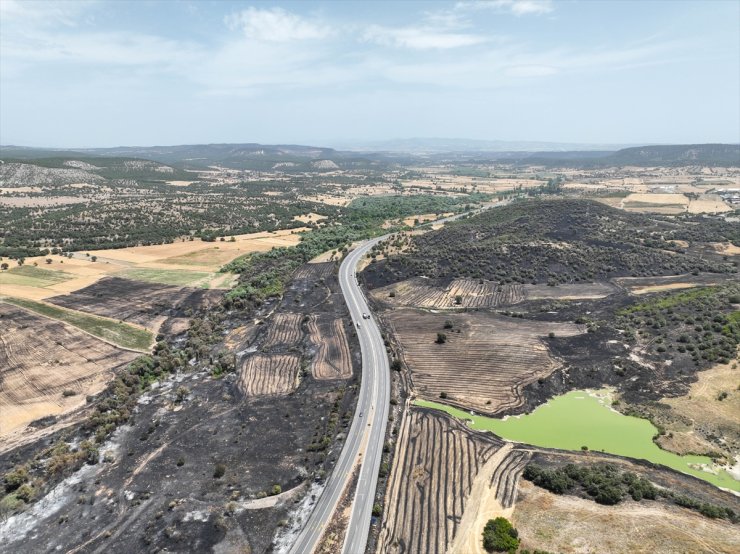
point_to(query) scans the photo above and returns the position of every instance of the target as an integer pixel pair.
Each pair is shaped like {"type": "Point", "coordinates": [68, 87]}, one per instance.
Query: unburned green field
{"type": "Point", "coordinates": [116, 332]}
{"type": "Point", "coordinates": [165, 276]}
{"type": "Point", "coordinates": [31, 276]}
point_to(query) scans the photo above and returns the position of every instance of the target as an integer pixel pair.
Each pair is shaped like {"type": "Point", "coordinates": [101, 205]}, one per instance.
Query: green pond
{"type": "Point", "coordinates": [581, 419]}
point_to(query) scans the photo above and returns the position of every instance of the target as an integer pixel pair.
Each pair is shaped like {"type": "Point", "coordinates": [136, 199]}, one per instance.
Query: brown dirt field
{"type": "Point", "coordinates": [332, 359]}
{"type": "Point", "coordinates": [40, 358]}
{"type": "Point", "coordinates": [437, 460]}
{"type": "Point", "coordinates": [284, 331]}
{"type": "Point", "coordinates": [485, 365]}
{"type": "Point", "coordinates": [269, 374]}
{"type": "Point", "coordinates": [568, 524]}
{"type": "Point", "coordinates": [642, 285]}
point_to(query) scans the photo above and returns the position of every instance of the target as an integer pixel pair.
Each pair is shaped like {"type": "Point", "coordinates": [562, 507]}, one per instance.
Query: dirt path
{"type": "Point", "coordinates": [482, 505]}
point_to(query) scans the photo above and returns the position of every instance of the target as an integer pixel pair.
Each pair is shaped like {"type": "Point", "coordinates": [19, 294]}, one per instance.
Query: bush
{"type": "Point", "coordinates": [499, 535]}
{"type": "Point", "coordinates": [15, 478]}
{"type": "Point", "coordinates": [276, 489]}
{"type": "Point", "coordinates": [441, 338]}
{"type": "Point", "coordinates": [25, 493]}
{"type": "Point", "coordinates": [377, 510]}
{"type": "Point", "coordinates": [219, 471]}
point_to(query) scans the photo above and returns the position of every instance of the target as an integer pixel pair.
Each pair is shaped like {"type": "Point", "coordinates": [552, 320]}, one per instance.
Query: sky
{"type": "Point", "coordinates": [95, 73]}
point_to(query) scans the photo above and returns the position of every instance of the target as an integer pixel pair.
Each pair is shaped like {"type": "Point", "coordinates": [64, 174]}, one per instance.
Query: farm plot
{"type": "Point", "coordinates": [332, 359]}
{"type": "Point", "coordinates": [644, 285]}
{"type": "Point", "coordinates": [145, 304]}
{"type": "Point", "coordinates": [284, 331]}
{"type": "Point", "coordinates": [460, 293]}
{"type": "Point", "coordinates": [580, 291]}
{"type": "Point", "coordinates": [437, 460]}
{"type": "Point", "coordinates": [47, 367]}
{"type": "Point", "coordinates": [269, 374]}
{"type": "Point", "coordinates": [485, 360]}
{"type": "Point", "coordinates": [315, 271]}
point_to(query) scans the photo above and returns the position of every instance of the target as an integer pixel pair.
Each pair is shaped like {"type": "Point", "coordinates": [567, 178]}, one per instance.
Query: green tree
{"type": "Point", "coordinates": [499, 535]}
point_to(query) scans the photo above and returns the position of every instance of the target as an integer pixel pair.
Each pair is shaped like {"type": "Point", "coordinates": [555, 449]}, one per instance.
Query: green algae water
{"type": "Point", "coordinates": [579, 419]}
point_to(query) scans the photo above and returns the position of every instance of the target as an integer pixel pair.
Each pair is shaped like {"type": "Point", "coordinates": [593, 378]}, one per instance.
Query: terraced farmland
{"type": "Point", "coordinates": [485, 361]}
{"type": "Point", "coordinates": [437, 460]}
{"type": "Point", "coordinates": [332, 359]}
{"type": "Point", "coordinates": [40, 359]}
{"type": "Point", "coordinates": [478, 293]}
{"type": "Point", "coordinates": [284, 331]}
{"type": "Point", "coordinates": [269, 374]}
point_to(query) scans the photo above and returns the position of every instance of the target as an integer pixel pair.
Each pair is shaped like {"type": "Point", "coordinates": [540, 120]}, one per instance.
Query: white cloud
{"type": "Point", "coordinates": [420, 38]}
{"type": "Point", "coordinates": [277, 25]}
{"type": "Point", "coordinates": [516, 7]}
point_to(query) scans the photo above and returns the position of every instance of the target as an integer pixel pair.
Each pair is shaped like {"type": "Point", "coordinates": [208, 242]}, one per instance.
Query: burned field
{"type": "Point", "coordinates": [479, 293]}
{"type": "Point", "coordinates": [203, 462]}
{"type": "Point", "coordinates": [47, 368]}
{"type": "Point", "coordinates": [145, 304]}
{"type": "Point", "coordinates": [484, 361]}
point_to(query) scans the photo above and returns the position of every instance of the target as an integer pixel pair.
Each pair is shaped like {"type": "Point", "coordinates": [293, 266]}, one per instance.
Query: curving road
{"type": "Point", "coordinates": [366, 436]}
{"type": "Point", "coordinates": [364, 441]}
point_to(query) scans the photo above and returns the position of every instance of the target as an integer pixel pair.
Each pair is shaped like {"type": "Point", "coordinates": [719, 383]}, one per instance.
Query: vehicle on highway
{"type": "Point", "coordinates": [365, 316]}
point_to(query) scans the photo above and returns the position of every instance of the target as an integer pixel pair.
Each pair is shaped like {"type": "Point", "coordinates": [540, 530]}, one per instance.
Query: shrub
{"type": "Point", "coordinates": [441, 338]}
{"type": "Point", "coordinates": [499, 535]}
{"type": "Point", "coordinates": [25, 493]}
{"type": "Point", "coordinates": [15, 478]}
{"type": "Point", "coordinates": [377, 510]}
{"type": "Point", "coordinates": [219, 471]}
{"type": "Point", "coordinates": [276, 489]}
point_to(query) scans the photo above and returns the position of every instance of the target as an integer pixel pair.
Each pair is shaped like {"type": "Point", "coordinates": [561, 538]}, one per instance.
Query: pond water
{"type": "Point", "coordinates": [580, 418]}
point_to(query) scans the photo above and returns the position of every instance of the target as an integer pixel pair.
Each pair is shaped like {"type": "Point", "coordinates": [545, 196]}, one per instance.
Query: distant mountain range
{"type": "Point", "coordinates": [446, 145]}
{"type": "Point", "coordinates": [297, 158]}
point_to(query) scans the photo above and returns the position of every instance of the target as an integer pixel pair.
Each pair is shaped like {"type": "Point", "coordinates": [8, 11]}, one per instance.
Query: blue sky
{"type": "Point", "coordinates": [94, 73]}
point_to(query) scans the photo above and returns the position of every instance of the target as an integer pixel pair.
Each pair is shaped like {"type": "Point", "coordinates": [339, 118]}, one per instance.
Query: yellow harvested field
{"type": "Point", "coordinates": [708, 203]}
{"type": "Point", "coordinates": [667, 286]}
{"type": "Point", "coordinates": [560, 523]}
{"type": "Point", "coordinates": [309, 217]}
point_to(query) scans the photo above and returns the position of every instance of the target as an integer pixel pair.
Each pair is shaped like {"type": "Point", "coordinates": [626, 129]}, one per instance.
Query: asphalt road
{"type": "Point", "coordinates": [366, 435]}
{"type": "Point", "coordinates": [367, 432]}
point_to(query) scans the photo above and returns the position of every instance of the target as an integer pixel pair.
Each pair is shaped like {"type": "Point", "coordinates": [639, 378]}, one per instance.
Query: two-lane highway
{"type": "Point", "coordinates": [366, 434]}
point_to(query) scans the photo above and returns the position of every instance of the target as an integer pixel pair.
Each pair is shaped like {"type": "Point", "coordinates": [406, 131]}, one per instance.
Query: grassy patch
{"type": "Point", "coordinates": [33, 276]}
{"type": "Point", "coordinates": [165, 276]}
{"type": "Point", "coordinates": [119, 333]}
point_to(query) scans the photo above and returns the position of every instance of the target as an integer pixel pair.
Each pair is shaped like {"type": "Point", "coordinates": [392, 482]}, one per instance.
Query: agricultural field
{"type": "Point", "coordinates": [284, 331]}
{"type": "Point", "coordinates": [436, 465]}
{"type": "Point", "coordinates": [47, 368]}
{"type": "Point", "coordinates": [115, 332]}
{"type": "Point", "coordinates": [269, 375]}
{"type": "Point", "coordinates": [332, 359]}
{"type": "Point", "coordinates": [480, 293]}
{"type": "Point", "coordinates": [485, 360]}
{"type": "Point", "coordinates": [137, 302]}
